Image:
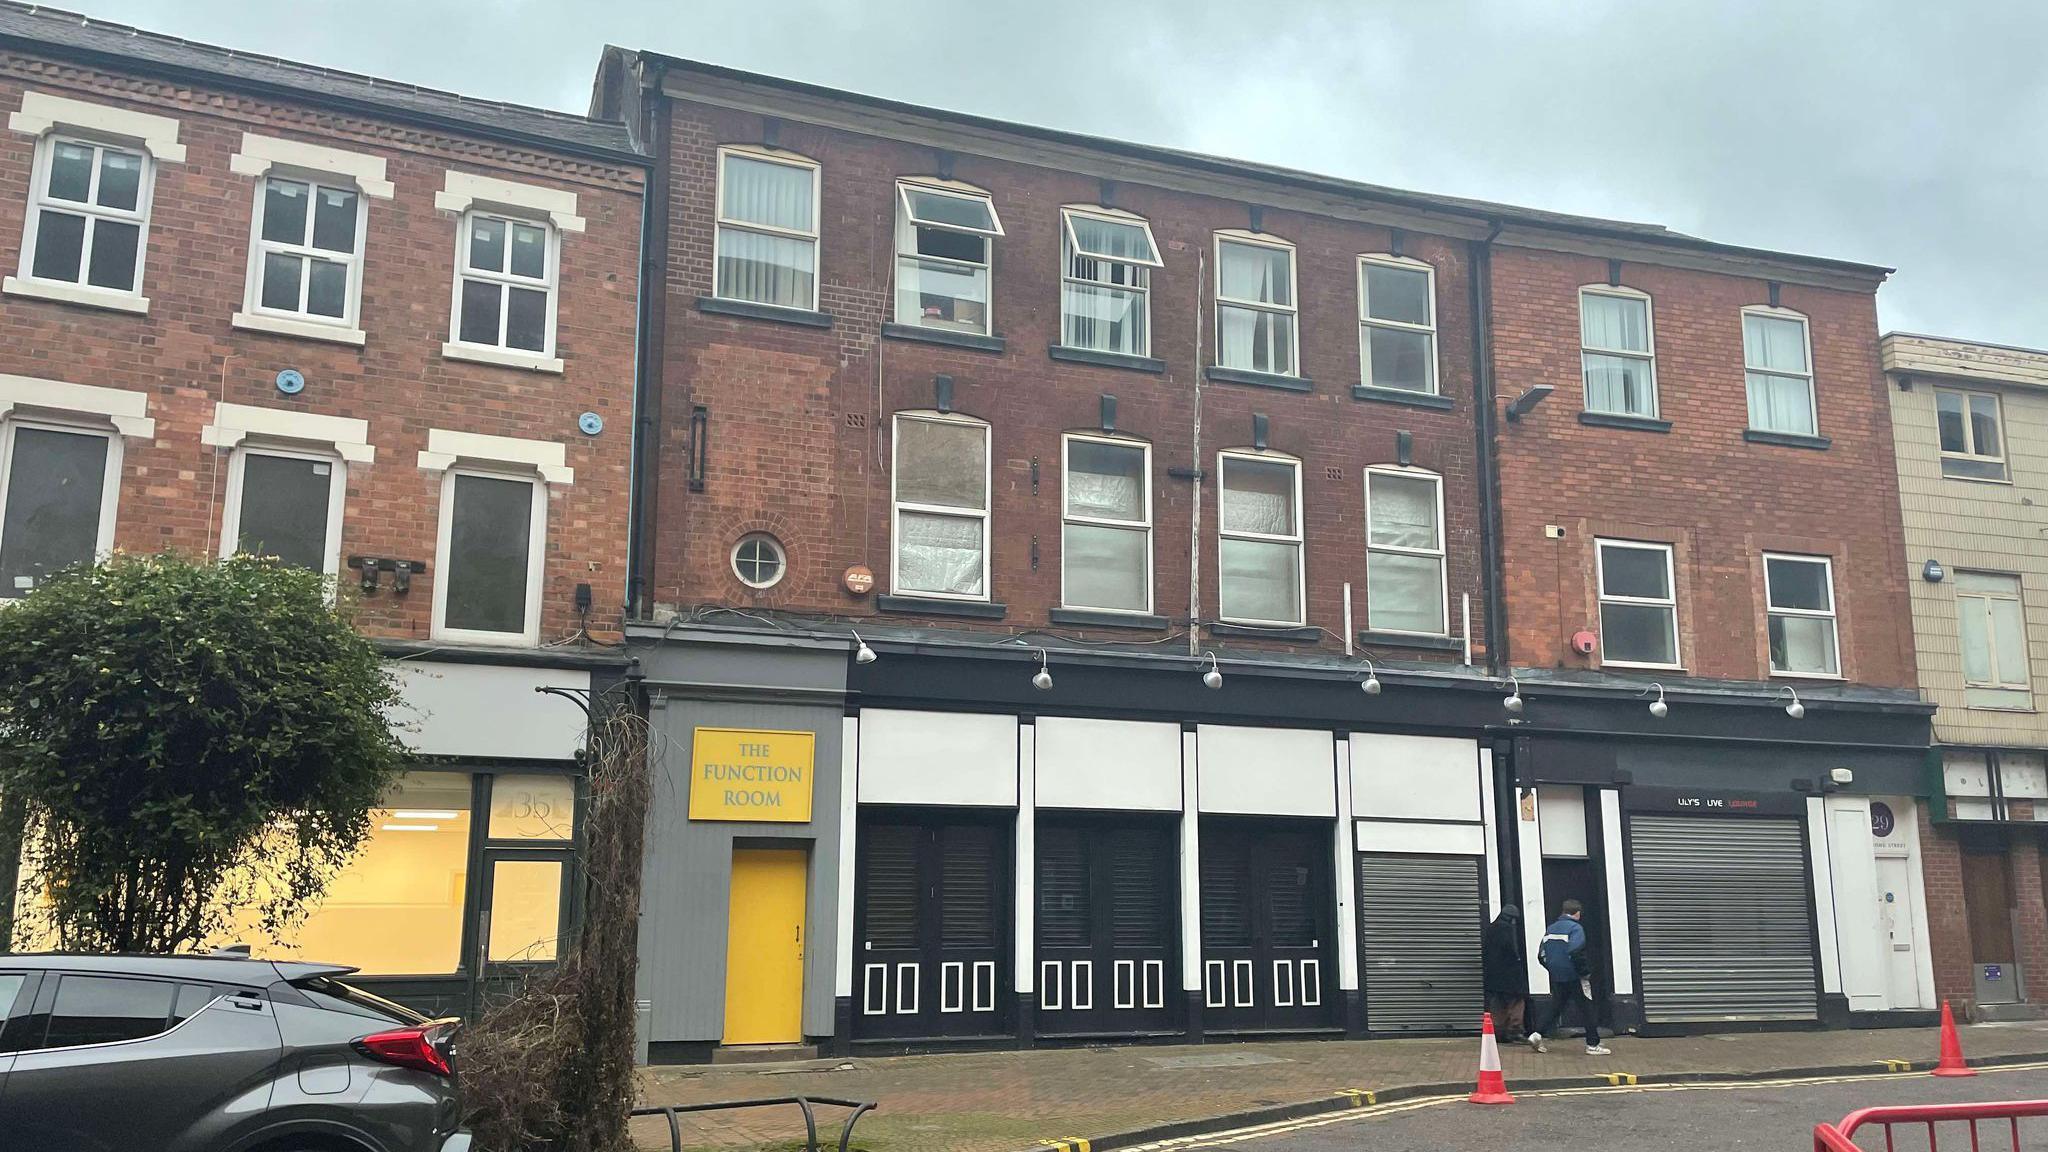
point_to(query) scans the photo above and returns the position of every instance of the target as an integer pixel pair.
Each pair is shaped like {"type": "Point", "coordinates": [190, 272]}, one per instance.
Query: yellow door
{"type": "Point", "coordinates": [764, 947]}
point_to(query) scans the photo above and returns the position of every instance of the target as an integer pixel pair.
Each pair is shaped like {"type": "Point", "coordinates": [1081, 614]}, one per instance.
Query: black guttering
{"type": "Point", "coordinates": [651, 349]}
{"type": "Point", "coordinates": [1482, 213]}
{"type": "Point", "coordinates": [432, 652]}
{"type": "Point", "coordinates": [1496, 630]}
{"type": "Point", "coordinates": [43, 31]}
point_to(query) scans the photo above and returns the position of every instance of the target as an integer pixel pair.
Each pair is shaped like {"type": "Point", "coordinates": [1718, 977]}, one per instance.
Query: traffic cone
{"type": "Point", "coordinates": [1952, 1062]}
{"type": "Point", "coordinates": [1493, 1089]}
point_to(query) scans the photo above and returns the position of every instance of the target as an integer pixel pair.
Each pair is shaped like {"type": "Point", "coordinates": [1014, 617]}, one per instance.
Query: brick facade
{"type": "Point", "coordinates": [1720, 500]}
{"type": "Point", "coordinates": [186, 357]}
{"type": "Point", "coordinates": [799, 418]}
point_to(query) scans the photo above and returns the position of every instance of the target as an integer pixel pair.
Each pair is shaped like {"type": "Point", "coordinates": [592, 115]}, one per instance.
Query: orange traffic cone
{"type": "Point", "coordinates": [1493, 1089]}
{"type": "Point", "coordinates": [1952, 1062]}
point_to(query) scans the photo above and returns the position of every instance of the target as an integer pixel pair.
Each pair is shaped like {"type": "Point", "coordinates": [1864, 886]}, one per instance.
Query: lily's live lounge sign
{"type": "Point", "coordinates": [751, 774]}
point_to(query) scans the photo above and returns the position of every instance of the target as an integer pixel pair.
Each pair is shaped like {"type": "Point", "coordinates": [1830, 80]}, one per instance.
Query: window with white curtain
{"type": "Point", "coordinates": [1404, 551]}
{"type": "Point", "coordinates": [941, 507]}
{"type": "Point", "coordinates": [1106, 262]}
{"type": "Point", "coordinates": [1260, 581]}
{"type": "Point", "coordinates": [1617, 352]}
{"type": "Point", "coordinates": [1638, 604]}
{"type": "Point", "coordinates": [1799, 598]}
{"type": "Point", "coordinates": [767, 240]}
{"type": "Point", "coordinates": [1255, 308]}
{"type": "Point", "coordinates": [1397, 323]}
{"type": "Point", "coordinates": [1992, 620]}
{"type": "Point", "coordinates": [1968, 423]}
{"type": "Point", "coordinates": [88, 215]}
{"type": "Point", "coordinates": [942, 257]}
{"type": "Point", "coordinates": [1106, 540]}
{"type": "Point", "coordinates": [1778, 365]}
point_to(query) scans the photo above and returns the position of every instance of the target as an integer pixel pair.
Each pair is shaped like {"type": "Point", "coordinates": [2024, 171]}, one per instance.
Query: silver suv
{"type": "Point", "coordinates": [217, 1053]}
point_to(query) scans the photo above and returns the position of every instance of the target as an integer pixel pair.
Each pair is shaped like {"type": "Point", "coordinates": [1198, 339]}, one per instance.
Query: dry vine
{"type": "Point", "coordinates": [549, 1067]}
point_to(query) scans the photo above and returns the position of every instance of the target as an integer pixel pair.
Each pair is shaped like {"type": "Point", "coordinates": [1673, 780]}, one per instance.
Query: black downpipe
{"type": "Point", "coordinates": [1489, 470]}
{"type": "Point", "coordinates": [647, 385]}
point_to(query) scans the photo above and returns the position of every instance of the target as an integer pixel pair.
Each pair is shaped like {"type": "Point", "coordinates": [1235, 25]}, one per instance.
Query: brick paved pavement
{"type": "Point", "coordinates": [1010, 1100]}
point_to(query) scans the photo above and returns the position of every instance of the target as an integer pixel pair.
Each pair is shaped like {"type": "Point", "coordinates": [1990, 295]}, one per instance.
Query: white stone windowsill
{"type": "Point", "coordinates": [503, 357]}
{"type": "Point", "coordinates": [303, 329]}
{"type": "Point", "coordinates": [82, 295]}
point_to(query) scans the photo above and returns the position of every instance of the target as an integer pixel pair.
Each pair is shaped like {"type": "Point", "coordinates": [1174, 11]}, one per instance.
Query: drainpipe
{"type": "Point", "coordinates": [1497, 656]}
{"type": "Point", "coordinates": [1195, 471]}
{"type": "Point", "coordinates": [651, 347]}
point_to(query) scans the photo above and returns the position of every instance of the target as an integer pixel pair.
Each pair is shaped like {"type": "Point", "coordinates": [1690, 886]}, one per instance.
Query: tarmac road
{"type": "Point", "coordinates": [1766, 1117]}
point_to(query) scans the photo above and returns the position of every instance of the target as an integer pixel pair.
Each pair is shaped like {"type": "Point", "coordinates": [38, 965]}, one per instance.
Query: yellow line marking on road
{"type": "Point", "coordinates": [1617, 1079]}
{"type": "Point", "coordinates": [1897, 1065]}
{"type": "Point", "coordinates": [1282, 1127]}
{"type": "Point", "coordinates": [1359, 1096]}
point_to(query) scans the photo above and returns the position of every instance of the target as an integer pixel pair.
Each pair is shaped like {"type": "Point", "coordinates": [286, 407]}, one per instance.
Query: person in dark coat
{"type": "Point", "coordinates": [1505, 973]}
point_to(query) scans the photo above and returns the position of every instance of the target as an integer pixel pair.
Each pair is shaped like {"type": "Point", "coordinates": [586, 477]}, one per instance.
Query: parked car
{"type": "Point", "coordinates": [217, 1053]}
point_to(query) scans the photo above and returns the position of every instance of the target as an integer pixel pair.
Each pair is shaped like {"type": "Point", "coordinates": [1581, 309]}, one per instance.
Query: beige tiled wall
{"type": "Point", "coordinates": [1975, 525]}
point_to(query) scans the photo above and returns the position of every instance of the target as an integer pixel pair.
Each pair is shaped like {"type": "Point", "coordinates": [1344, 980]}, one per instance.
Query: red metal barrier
{"type": "Point", "coordinates": [1842, 1137]}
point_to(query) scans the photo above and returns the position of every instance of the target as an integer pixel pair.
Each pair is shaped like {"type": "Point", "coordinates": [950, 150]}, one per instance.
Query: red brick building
{"type": "Point", "coordinates": [380, 331]}
{"type": "Point", "coordinates": [1034, 508]}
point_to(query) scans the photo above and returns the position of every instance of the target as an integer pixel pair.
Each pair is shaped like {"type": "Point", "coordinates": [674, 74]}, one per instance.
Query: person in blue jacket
{"type": "Point", "coordinates": [1563, 955]}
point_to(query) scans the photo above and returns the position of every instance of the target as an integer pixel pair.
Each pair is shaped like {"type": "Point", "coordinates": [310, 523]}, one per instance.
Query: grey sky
{"type": "Point", "coordinates": [1905, 134]}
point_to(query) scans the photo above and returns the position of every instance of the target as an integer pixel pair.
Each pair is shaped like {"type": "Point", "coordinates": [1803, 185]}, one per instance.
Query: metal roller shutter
{"type": "Point", "coordinates": [1419, 922]}
{"type": "Point", "coordinates": [1722, 915]}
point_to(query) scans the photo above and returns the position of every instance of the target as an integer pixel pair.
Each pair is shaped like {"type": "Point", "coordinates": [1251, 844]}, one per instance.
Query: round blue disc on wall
{"type": "Point", "coordinates": [591, 423]}
{"type": "Point", "coordinates": [291, 382]}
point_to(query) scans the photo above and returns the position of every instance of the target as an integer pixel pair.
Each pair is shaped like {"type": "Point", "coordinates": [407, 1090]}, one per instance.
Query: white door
{"type": "Point", "coordinates": [1895, 920]}
{"type": "Point", "coordinates": [1858, 929]}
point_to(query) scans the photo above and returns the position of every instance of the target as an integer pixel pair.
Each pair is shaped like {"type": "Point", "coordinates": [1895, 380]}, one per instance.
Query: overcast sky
{"type": "Point", "coordinates": [1903, 134]}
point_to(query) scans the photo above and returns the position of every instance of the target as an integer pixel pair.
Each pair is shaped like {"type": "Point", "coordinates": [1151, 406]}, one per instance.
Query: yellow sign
{"type": "Point", "coordinates": [749, 774]}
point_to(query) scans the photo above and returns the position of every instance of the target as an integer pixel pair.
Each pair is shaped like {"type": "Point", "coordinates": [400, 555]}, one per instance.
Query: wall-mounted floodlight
{"type": "Point", "coordinates": [1521, 405]}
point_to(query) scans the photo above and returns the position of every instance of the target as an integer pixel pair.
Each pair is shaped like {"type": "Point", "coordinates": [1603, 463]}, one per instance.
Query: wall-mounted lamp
{"type": "Point", "coordinates": [1513, 700]}
{"type": "Point", "coordinates": [1371, 684]}
{"type": "Point", "coordinates": [1933, 572]}
{"type": "Point", "coordinates": [1043, 679]}
{"type": "Point", "coordinates": [1658, 707]}
{"type": "Point", "coordinates": [1795, 709]}
{"type": "Point", "coordinates": [1521, 405]}
{"type": "Point", "coordinates": [1213, 678]}
{"type": "Point", "coordinates": [862, 654]}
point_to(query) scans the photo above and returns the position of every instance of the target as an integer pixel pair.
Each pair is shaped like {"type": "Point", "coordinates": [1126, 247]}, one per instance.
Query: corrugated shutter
{"type": "Point", "coordinates": [1721, 913]}
{"type": "Point", "coordinates": [1140, 893]}
{"type": "Point", "coordinates": [967, 886]}
{"type": "Point", "coordinates": [1419, 921]}
{"type": "Point", "coordinates": [892, 895]}
{"type": "Point", "coordinates": [1062, 888]}
{"type": "Point", "coordinates": [1226, 911]}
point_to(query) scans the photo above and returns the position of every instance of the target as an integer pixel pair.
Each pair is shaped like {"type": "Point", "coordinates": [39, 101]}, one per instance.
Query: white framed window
{"type": "Point", "coordinates": [1617, 350]}
{"type": "Point", "coordinates": [505, 284]}
{"type": "Point", "coordinates": [1405, 586]}
{"type": "Point", "coordinates": [1106, 262]}
{"type": "Point", "coordinates": [942, 256]}
{"type": "Point", "coordinates": [1799, 600]}
{"type": "Point", "coordinates": [1106, 531]}
{"type": "Point", "coordinates": [59, 484]}
{"type": "Point", "coordinates": [1255, 304]}
{"type": "Point", "coordinates": [306, 252]}
{"type": "Point", "coordinates": [88, 216]}
{"type": "Point", "coordinates": [766, 247]}
{"type": "Point", "coordinates": [759, 561]}
{"type": "Point", "coordinates": [1992, 621]}
{"type": "Point", "coordinates": [1638, 605]}
{"type": "Point", "coordinates": [1777, 362]}
{"type": "Point", "coordinates": [1970, 426]}
{"type": "Point", "coordinates": [1397, 324]}
{"type": "Point", "coordinates": [939, 494]}
{"type": "Point", "coordinates": [489, 556]}
{"type": "Point", "coordinates": [1259, 579]}
{"type": "Point", "coordinates": [286, 503]}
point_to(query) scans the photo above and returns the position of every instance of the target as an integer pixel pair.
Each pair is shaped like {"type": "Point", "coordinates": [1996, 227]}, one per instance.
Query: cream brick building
{"type": "Point", "coordinates": [1970, 423]}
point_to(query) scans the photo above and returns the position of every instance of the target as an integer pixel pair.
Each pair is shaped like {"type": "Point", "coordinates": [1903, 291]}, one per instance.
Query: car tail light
{"type": "Point", "coordinates": [423, 1049]}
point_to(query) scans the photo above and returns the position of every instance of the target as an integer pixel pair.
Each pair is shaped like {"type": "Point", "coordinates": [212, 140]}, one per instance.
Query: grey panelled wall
{"type": "Point", "coordinates": [689, 865]}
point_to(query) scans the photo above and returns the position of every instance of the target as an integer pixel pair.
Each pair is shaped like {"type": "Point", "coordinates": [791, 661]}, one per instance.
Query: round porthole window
{"type": "Point", "coordinates": [758, 561]}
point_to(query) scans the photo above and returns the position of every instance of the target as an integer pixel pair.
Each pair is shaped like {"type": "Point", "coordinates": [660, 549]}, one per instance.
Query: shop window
{"type": "Point", "coordinates": [1106, 547]}
{"type": "Point", "coordinates": [1255, 309]}
{"type": "Point", "coordinates": [1799, 592]}
{"type": "Point", "coordinates": [1617, 352]}
{"type": "Point", "coordinates": [1404, 551]}
{"type": "Point", "coordinates": [533, 808]}
{"type": "Point", "coordinates": [1260, 529]}
{"type": "Point", "coordinates": [1638, 605]}
{"type": "Point", "coordinates": [526, 910]}
{"type": "Point", "coordinates": [57, 491]}
{"type": "Point", "coordinates": [1106, 262]}
{"type": "Point", "coordinates": [942, 257]}
{"type": "Point", "coordinates": [941, 506]}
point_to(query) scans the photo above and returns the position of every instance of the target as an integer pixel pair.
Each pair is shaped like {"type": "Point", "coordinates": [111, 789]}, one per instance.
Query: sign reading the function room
{"type": "Point", "coordinates": [751, 774]}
